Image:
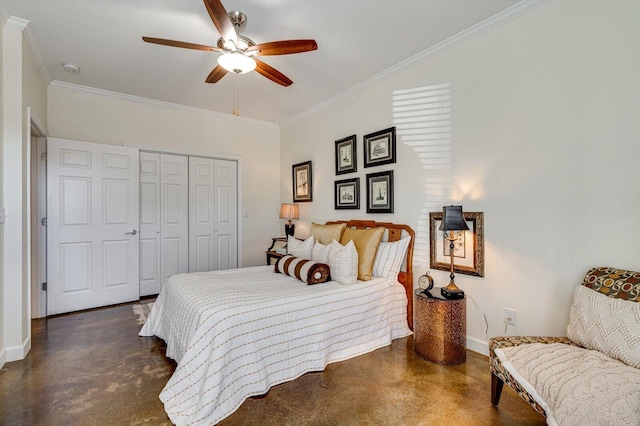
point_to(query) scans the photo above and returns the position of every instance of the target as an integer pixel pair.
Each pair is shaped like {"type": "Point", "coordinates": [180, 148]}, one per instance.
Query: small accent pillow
{"type": "Point", "coordinates": [325, 234]}
{"type": "Point", "coordinates": [366, 242]}
{"type": "Point", "coordinates": [606, 324]}
{"type": "Point", "coordinates": [320, 252]}
{"type": "Point", "coordinates": [343, 261]}
{"type": "Point", "coordinates": [298, 248]}
{"type": "Point", "coordinates": [389, 259]}
{"type": "Point", "coordinates": [305, 270]}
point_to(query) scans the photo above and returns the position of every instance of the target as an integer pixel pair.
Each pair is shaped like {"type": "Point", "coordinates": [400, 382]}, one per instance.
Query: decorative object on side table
{"type": "Point", "coordinates": [469, 252]}
{"type": "Point", "coordinates": [380, 147]}
{"type": "Point", "coordinates": [347, 194]}
{"type": "Point", "coordinates": [439, 328]}
{"type": "Point", "coordinates": [302, 182]}
{"type": "Point", "coordinates": [380, 192]}
{"type": "Point", "coordinates": [346, 159]}
{"type": "Point", "coordinates": [289, 211]}
{"type": "Point", "coordinates": [425, 282]}
{"type": "Point", "coordinates": [452, 223]}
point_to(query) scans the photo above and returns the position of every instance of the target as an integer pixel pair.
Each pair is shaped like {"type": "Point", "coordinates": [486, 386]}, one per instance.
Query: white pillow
{"type": "Point", "coordinates": [389, 258]}
{"type": "Point", "coordinates": [320, 252]}
{"type": "Point", "coordinates": [299, 248]}
{"type": "Point", "coordinates": [343, 262]}
{"type": "Point", "coordinates": [606, 324]}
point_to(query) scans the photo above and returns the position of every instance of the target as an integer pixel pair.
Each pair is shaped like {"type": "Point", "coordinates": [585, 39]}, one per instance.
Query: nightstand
{"type": "Point", "coordinates": [439, 327]}
{"type": "Point", "coordinates": [276, 250]}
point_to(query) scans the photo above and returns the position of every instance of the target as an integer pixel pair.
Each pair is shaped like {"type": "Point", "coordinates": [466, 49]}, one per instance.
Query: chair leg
{"type": "Point", "coordinates": [496, 389]}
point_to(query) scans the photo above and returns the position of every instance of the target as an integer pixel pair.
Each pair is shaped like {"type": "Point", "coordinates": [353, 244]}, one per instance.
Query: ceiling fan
{"type": "Point", "coordinates": [239, 52]}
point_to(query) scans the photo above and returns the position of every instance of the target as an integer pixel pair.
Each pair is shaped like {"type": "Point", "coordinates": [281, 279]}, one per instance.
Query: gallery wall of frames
{"type": "Point", "coordinates": [379, 149]}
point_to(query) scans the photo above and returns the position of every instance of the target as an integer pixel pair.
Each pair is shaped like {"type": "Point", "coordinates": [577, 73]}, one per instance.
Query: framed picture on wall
{"type": "Point", "coordinates": [380, 192]}
{"type": "Point", "coordinates": [468, 252]}
{"type": "Point", "coordinates": [347, 194]}
{"type": "Point", "coordinates": [380, 147]}
{"type": "Point", "coordinates": [346, 159]}
{"type": "Point", "coordinates": [302, 182]}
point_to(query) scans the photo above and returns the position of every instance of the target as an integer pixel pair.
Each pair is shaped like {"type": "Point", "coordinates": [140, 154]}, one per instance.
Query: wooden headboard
{"type": "Point", "coordinates": [395, 233]}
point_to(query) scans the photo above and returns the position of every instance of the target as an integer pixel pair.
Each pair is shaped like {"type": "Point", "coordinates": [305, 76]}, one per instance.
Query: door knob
{"type": "Point", "coordinates": [132, 232]}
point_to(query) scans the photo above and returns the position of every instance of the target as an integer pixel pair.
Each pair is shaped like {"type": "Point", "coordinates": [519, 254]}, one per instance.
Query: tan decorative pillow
{"type": "Point", "coordinates": [366, 242]}
{"type": "Point", "coordinates": [325, 234]}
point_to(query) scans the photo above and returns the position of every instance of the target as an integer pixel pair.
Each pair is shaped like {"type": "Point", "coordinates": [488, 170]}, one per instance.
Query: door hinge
{"type": "Point", "coordinates": [43, 156]}
{"type": "Point", "coordinates": [43, 221]}
{"type": "Point", "coordinates": [44, 286]}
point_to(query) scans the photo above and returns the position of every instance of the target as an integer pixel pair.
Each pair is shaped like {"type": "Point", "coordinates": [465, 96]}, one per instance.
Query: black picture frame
{"type": "Point", "coordinates": [471, 261]}
{"type": "Point", "coordinates": [380, 192]}
{"type": "Point", "coordinates": [380, 147]}
{"type": "Point", "coordinates": [346, 194]}
{"type": "Point", "coordinates": [346, 158]}
{"type": "Point", "coordinates": [302, 182]}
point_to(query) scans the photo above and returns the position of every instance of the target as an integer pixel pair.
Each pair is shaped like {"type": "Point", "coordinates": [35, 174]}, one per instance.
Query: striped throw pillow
{"type": "Point", "coordinates": [305, 270]}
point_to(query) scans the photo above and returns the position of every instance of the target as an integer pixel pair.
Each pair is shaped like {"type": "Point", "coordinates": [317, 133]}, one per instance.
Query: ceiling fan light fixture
{"type": "Point", "coordinates": [237, 63]}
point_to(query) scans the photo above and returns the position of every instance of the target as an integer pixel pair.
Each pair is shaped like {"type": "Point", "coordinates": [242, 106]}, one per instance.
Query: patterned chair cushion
{"type": "Point", "coordinates": [614, 282]}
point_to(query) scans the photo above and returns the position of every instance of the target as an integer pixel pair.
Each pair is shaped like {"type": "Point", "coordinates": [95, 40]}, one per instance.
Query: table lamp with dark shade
{"type": "Point", "coordinates": [452, 220]}
{"type": "Point", "coordinates": [289, 211]}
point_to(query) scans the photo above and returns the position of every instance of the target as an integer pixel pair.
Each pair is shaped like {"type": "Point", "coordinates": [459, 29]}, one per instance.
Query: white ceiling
{"type": "Point", "coordinates": [357, 39]}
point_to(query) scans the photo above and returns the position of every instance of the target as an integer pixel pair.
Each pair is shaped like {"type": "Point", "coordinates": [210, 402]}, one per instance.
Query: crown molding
{"type": "Point", "coordinates": [117, 95]}
{"type": "Point", "coordinates": [14, 23]}
{"type": "Point", "coordinates": [470, 33]}
{"type": "Point", "coordinates": [36, 53]}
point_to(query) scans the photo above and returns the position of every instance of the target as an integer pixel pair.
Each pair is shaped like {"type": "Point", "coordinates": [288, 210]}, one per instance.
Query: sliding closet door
{"type": "Point", "coordinates": [150, 273]}
{"type": "Point", "coordinates": [226, 214]}
{"type": "Point", "coordinates": [174, 215]}
{"type": "Point", "coordinates": [201, 215]}
{"type": "Point", "coordinates": [213, 223]}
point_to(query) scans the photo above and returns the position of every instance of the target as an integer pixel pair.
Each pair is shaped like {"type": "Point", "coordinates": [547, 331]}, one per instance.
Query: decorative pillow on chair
{"type": "Point", "coordinates": [366, 242]}
{"type": "Point", "coordinates": [389, 259]}
{"type": "Point", "coordinates": [305, 270]}
{"type": "Point", "coordinates": [343, 261]}
{"type": "Point", "coordinates": [299, 248]}
{"type": "Point", "coordinates": [606, 324]}
{"type": "Point", "coordinates": [325, 234]}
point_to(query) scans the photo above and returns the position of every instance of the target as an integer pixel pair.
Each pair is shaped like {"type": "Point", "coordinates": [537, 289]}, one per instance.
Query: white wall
{"type": "Point", "coordinates": [92, 116]}
{"type": "Point", "coordinates": [543, 140]}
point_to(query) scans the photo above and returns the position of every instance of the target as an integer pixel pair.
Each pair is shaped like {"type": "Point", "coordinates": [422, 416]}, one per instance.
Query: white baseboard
{"type": "Point", "coordinates": [16, 353]}
{"type": "Point", "coordinates": [3, 358]}
{"type": "Point", "coordinates": [478, 345]}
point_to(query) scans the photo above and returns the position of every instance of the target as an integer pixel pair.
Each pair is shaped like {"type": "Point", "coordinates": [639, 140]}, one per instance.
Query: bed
{"type": "Point", "coordinates": [236, 333]}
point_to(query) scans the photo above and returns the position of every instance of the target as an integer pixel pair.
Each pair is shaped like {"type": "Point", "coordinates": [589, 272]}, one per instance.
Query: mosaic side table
{"type": "Point", "coordinates": [439, 328]}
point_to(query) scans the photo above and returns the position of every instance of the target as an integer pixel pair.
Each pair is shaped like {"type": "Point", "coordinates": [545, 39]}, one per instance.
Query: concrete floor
{"type": "Point", "coordinates": [91, 368]}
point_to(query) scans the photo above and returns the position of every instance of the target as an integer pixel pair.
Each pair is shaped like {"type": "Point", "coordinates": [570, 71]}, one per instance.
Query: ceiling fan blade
{"type": "Point", "coordinates": [272, 74]}
{"type": "Point", "coordinates": [184, 44]}
{"type": "Point", "coordinates": [284, 47]}
{"type": "Point", "coordinates": [221, 20]}
{"type": "Point", "coordinates": [215, 75]}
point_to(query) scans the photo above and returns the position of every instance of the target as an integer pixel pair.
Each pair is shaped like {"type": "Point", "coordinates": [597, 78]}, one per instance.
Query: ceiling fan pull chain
{"type": "Point", "coordinates": [235, 110]}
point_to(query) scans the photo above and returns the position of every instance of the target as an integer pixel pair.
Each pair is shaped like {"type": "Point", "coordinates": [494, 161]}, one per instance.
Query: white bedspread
{"type": "Point", "coordinates": [236, 333]}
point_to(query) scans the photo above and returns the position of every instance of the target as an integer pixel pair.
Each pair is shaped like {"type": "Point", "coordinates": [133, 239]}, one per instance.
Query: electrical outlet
{"type": "Point", "coordinates": [510, 316]}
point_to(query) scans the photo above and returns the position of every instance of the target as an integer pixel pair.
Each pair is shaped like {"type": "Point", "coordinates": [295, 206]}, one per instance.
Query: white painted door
{"type": "Point", "coordinates": [226, 214]}
{"type": "Point", "coordinates": [150, 271]}
{"type": "Point", "coordinates": [201, 214]}
{"type": "Point", "coordinates": [174, 216]}
{"type": "Point", "coordinates": [92, 241]}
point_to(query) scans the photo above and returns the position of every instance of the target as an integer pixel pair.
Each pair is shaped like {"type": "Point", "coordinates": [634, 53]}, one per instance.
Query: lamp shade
{"type": "Point", "coordinates": [289, 211]}
{"type": "Point", "coordinates": [453, 219]}
{"type": "Point", "coordinates": [237, 62]}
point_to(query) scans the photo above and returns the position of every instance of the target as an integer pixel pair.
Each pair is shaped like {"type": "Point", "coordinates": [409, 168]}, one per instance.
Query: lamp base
{"type": "Point", "coordinates": [451, 293]}
{"type": "Point", "coordinates": [289, 229]}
